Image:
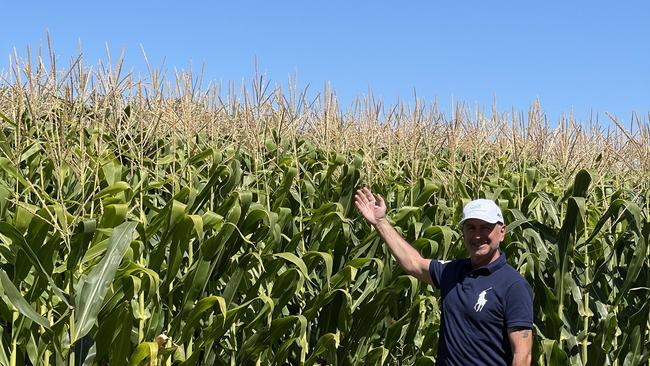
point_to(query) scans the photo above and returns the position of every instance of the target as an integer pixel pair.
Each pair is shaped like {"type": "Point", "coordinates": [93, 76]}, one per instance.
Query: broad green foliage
{"type": "Point", "coordinates": [116, 249]}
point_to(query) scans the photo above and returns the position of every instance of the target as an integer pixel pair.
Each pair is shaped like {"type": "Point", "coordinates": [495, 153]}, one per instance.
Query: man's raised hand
{"type": "Point", "coordinates": [371, 206]}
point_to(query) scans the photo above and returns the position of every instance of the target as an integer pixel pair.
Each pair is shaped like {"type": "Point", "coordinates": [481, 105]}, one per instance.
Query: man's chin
{"type": "Point", "coordinates": [482, 251]}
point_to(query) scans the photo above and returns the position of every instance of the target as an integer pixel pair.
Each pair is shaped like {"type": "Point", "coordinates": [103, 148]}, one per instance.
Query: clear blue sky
{"type": "Point", "coordinates": [578, 56]}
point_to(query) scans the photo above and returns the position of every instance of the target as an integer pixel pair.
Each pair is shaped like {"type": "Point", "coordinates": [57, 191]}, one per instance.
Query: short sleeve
{"type": "Point", "coordinates": [435, 271]}
{"type": "Point", "coordinates": [519, 305]}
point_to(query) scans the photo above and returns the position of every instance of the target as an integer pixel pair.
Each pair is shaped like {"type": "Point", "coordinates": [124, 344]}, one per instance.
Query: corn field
{"type": "Point", "coordinates": [161, 221]}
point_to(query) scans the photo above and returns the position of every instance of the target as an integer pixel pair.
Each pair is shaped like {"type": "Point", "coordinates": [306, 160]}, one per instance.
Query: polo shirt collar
{"type": "Point", "coordinates": [491, 267]}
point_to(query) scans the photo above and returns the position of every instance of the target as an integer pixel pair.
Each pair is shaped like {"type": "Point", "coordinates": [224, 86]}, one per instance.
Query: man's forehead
{"type": "Point", "coordinates": [477, 222]}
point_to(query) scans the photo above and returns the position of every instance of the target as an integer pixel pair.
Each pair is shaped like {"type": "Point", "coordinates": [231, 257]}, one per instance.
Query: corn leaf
{"type": "Point", "coordinates": [93, 287]}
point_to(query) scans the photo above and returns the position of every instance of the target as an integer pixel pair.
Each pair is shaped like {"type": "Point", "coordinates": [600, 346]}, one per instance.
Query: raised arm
{"type": "Point", "coordinates": [373, 208]}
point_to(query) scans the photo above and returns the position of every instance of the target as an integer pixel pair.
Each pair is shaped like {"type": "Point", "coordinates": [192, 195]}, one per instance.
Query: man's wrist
{"type": "Point", "coordinates": [381, 223]}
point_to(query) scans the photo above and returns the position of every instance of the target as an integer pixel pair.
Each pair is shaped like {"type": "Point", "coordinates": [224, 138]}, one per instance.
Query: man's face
{"type": "Point", "coordinates": [482, 240]}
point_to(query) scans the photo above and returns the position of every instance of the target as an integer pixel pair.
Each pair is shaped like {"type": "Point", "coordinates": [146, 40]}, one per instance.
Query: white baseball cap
{"type": "Point", "coordinates": [482, 209]}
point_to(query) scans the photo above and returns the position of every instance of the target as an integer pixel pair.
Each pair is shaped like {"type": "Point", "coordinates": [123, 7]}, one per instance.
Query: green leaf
{"type": "Point", "coordinates": [145, 351]}
{"type": "Point", "coordinates": [404, 213]}
{"type": "Point", "coordinates": [269, 337]}
{"type": "Point", "coordinates": [290, 257]}
{"type": "Point", "coordinates": [553, 353]}
{"type": "Point", "coordinates": [9, 231]}
{"type": "Point", "coordinates": [581, 183]}
{"type": "Point", "coordinates": [12, 171]}
{"type": "Point", "coordinates": [217, 177]}
{"type": "Point", "coordinates": [112, 171]}
{"type": "Point", "coordinates": [636, 264]}
{"type": "Point", "coordinates": [201, 157]}
{"type": "Point", "coordinates": [425, 361]}
{"type": "Point", "coordinates": [202, 307]}
{"type": "Point", "coordinates": [112, 190]}
{"type": "Point", "coordinates": [427, 190]}
{"type": "Point", "coordinates": [7, 119]}
{"type": "Point", "coordinates": [93, 287]}
{"type": "Point", "coordinates": [327, 260]}
{"type": "Point", "coordinates": [18, 301]}
{"type": "Point", "coordinates": [4, 359]}
{"type": "Point", "coordinates": [326, 345]}
{"type": "Point", "coordinates": [24, 215]}
{"type": "Point", "coordinates": [633, 344]}
{"type": "Point", "coordinates": [376, 356]}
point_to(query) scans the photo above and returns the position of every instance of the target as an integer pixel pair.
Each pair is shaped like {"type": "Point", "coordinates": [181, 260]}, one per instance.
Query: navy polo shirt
{"type": "Point", "coordinates": [478, 307]}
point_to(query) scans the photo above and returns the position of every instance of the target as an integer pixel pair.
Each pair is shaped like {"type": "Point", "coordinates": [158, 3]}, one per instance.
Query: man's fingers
{"type": "Point", "coordinates": [361, 197]}
{"type": "Point", "coordinates": [367, 192]}
{"type": "Point", "coordinates": [369, 196]}
{"type": "Point", "coordinates": [362, 203]}
{"type": "Point", "coordinates": [365, 195]}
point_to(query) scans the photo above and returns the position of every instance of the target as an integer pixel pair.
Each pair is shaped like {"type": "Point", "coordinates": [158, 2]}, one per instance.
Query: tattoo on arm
{"type": "Point", "coordinates": [522, 331]}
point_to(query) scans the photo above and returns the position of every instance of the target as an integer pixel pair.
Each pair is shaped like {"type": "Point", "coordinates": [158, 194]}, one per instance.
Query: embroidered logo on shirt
{"type": "Point", "coordinates": [482, 300]}
{"type": "Point", "coordinates": [443, 261]}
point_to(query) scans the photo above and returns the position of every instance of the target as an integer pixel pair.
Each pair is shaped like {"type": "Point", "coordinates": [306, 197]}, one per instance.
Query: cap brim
{"type": "Point", "coordinates": [486, 218]}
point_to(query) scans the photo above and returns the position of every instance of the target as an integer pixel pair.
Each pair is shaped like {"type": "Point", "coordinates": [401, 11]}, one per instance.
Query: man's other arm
{"type": "Point", "coordinates": [521, 342]}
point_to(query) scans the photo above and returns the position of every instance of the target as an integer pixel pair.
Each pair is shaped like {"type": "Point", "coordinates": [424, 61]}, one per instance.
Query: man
{"type": "Point", "coordinates": [487, 311]}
